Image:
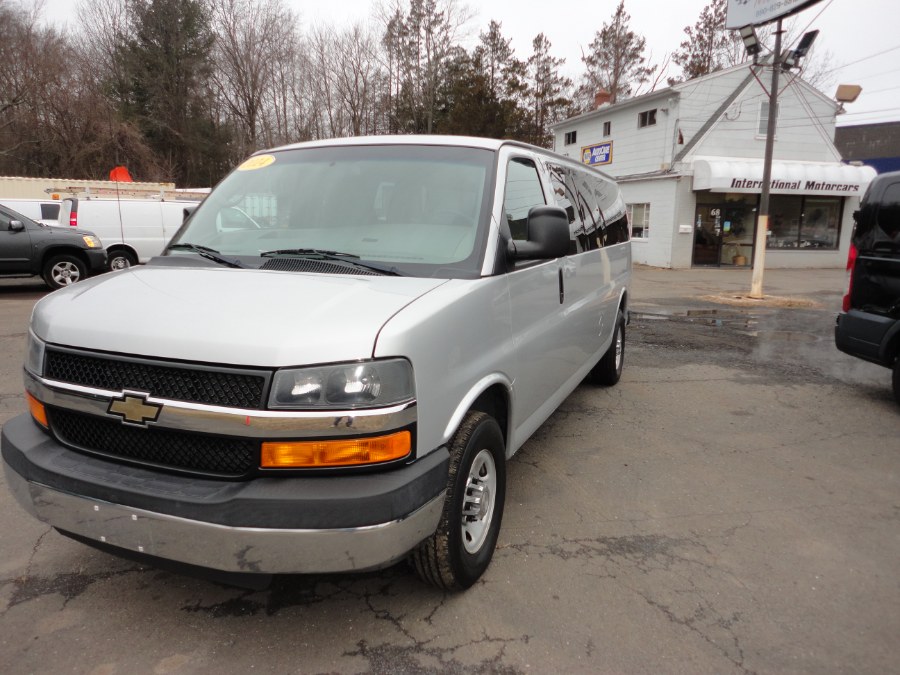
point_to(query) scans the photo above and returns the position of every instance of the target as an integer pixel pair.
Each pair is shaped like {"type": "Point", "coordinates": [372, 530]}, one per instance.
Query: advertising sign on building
{"type": "Point", "coordinates": [746, 12]}
{"type": "Point", "coordinates": [597, 154]}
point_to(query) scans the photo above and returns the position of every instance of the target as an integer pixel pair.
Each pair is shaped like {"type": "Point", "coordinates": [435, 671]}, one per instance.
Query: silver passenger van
{"type": "Point", "coordinates": [331, 364]}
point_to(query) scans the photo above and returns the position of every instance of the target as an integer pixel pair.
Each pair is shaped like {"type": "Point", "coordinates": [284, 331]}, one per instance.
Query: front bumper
{"type": "Point", "coordinates": [268, 525]}
{"type": "Point", "coordinates": [96, 260]}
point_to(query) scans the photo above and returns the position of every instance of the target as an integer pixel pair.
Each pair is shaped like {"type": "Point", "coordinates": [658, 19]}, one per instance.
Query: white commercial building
{"type": "Point", "coordinates": [689, 160]}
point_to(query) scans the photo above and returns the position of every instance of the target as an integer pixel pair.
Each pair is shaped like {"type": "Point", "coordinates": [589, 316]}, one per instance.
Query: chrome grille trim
{"type": "Point", "coordinates": [225, 421]}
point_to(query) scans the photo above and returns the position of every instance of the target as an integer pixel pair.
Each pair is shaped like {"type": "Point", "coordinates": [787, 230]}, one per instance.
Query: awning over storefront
{"type": "Point", "coordinates": [788, 178]}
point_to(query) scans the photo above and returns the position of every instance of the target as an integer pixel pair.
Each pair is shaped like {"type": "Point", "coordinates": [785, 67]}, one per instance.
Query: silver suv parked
{"type": "Point", "coordinates": [332, 363]}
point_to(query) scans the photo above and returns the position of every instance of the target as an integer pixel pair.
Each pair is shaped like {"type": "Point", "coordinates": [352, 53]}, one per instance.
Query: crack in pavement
{"type": "Point", "coordinates": [395, 660]}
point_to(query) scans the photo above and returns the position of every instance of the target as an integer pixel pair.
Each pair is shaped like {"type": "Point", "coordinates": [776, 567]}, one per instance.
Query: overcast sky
{"type": "Point", "coordinates": [861, 35]}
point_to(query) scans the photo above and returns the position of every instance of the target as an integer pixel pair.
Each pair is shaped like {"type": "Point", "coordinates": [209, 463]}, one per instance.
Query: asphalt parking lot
{"type": "Point", "coordinates": [732, 506]}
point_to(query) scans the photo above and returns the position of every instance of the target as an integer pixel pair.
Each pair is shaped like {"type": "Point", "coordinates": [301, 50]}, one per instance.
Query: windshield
{"type": "Point", "coordinates": [418, 210]}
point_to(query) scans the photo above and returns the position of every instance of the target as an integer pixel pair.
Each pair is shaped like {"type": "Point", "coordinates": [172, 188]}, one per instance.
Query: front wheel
{"type": "Point", "coordinates": [460, 550]}
{"type": "Point", "coordinates": [608, 370]}
{"type": "Point", "coordinates": [120, 260]}
{"type": "Point", "coordinates": [63, 270]}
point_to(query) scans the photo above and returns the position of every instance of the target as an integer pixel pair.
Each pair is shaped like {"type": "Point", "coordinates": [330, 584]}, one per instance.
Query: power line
{"type": "Point", "coordinates": [865, 58]}
{"type": "Point", "coordinates": [878, 91]}
{"type": "Point", "coordinates": [803, 32]}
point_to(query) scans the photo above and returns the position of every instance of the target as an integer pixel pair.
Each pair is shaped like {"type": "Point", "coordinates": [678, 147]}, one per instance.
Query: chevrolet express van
{"type": "Point", "coordinates": [132, 230]}
{"type": "Point", "coordinates": [331, 364]}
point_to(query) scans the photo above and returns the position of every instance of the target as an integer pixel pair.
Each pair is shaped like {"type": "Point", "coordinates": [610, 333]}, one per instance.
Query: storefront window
{"type": "Point", "coordinates": [821, 219]}
{"type": "Point", "coordinates": [784, 221]}
{"type": "Point", "coordinates": [804, 222]}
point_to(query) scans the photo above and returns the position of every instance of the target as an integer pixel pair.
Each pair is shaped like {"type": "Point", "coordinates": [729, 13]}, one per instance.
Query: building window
{"type": "Point", "coordinates": [639, 217]}
{"type": "Point", "coordinates": [571, 137]}
{"type": "Point", "coordinates": [647, 118]}
{"type": "Point", "coordinates": [763, 127]}
{"type": "Point", "coordinates": [607, 128]}
{"type": "Point", "coordinates": [807, 223]}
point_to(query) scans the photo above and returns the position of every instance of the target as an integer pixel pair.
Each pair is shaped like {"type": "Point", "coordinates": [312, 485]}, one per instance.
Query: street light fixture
{"type": "Point", "coordinates": [792, 58]}
{"type": "Point", "coordinates": [751, 42]}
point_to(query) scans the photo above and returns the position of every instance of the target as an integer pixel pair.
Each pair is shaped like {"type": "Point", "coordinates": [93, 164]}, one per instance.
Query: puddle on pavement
{"type": "Point", "coordinates": [745, 322]}
{"type": "Point", "coordinates": [703, 317]}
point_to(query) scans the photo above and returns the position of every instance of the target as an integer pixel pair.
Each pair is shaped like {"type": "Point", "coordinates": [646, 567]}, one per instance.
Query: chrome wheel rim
{"type": "Point", "coordinates": [65, 273]}
{"type": "Point", "coordinates": [620, 349]}
{"type": "Point", "coordinates": [478, 501]}
{"type": "Point", "coordinates": [119, 263]}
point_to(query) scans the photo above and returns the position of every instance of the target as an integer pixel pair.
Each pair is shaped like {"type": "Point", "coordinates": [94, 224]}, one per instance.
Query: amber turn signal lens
{"type": "Point", "coordinates": [344, 452]}
{"type": "Point", "coordinates": [38, 412]}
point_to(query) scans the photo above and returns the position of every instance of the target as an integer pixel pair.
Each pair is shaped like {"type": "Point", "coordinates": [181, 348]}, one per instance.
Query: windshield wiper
{"type": "Point", "coordinates": [319, 254]}
{"type": "Point", "coordinates": [209, 254]}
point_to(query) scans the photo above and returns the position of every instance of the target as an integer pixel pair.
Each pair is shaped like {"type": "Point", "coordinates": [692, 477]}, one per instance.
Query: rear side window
{"type": "Point", "coordinates": [523, 190]}
{"type": "Point", "coordinates": [49, 211]}
{"type": "Point", "coordinates": [593, 203]}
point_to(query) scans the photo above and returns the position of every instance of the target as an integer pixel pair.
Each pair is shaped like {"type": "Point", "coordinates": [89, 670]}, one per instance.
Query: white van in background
{"type": "Point", "coordinates": [132, 230]}
{"type": "Point", "coordinates": [44, 211]}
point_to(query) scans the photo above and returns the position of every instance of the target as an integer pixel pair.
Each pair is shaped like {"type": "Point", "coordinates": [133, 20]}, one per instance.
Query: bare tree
{"type": "Point", "coordinates": [615, 60]}
{"type": "Point", "coordinates": [357, 78]}
{"type": "Point", "coordinates": [251, 36]}
{"type": "Point", "coordinates": [708, 46]}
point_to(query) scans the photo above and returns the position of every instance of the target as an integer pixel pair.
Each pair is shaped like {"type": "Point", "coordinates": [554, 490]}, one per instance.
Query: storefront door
{"type": "Point", "coordinates": [723, 234]}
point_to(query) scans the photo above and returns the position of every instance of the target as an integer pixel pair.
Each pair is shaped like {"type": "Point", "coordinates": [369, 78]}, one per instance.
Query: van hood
{"type": "Point", "coordinates": [227, 316]}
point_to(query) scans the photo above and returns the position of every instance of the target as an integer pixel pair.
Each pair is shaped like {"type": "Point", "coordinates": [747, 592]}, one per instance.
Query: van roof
{"type": "Point", "coordinates": [411, 139]}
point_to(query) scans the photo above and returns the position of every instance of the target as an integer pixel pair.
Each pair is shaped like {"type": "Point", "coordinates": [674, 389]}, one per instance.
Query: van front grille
{"type": "Point", "coordinates": [189, 382]}
{"type": "Point", "coordinates": [183, 451]}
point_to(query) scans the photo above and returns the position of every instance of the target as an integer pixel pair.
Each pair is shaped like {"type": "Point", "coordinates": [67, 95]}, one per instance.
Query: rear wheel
{"type": "Point", "coordinates": [63, 270]}
{"type": "Point", "coordinates": [609, 369]}
{"type": "Point", "coordinates": [120, 260]}
{"type": "Point", "coordinates": [460, 550]}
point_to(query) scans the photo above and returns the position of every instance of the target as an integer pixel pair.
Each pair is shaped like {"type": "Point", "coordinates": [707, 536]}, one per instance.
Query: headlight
{"type": "Point", "coordinates": [363, 384]}
{"type": "Point", "coordinates": [91, 242]}
{"type": "Point", "coordinates": [34, 357]}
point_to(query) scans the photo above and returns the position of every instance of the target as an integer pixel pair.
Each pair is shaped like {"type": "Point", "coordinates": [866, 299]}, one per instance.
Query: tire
{"type": "Point", "coordinates": [896, 379]}
{"type": "Point", "coordinates": [608, 370]}
{"type": "Point", "coordinates": [120, 260]}
{"type": "Point", "coordinates": [63, 270]}
{"type": "Point", "coordinates": [460, 550]}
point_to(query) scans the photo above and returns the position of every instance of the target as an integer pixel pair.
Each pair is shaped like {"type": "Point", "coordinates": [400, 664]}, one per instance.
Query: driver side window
{"type": "Point", "coordinates": [523, 190]}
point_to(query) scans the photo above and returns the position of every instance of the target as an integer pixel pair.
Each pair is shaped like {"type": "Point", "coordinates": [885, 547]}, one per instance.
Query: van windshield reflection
{"type": "Point", "coordinates": [399, 209]}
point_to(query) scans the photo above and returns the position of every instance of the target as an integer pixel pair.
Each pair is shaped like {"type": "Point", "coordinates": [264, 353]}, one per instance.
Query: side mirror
{"type": "Point", "coordinates": [187, 211]}
{"type": "Point", "coordinates": [548, 234]}
{"type": "Point", "coordinates": [16, 226]}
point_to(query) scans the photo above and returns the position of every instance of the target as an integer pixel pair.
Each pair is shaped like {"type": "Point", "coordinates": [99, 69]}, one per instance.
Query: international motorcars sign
{"type": "Point", "coordinates": [601, 153]}
{"type": "Point", "coordinates": [746, 12]}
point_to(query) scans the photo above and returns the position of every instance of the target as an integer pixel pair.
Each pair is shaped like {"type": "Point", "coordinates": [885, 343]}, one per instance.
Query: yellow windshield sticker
{"type": "Point", "coordinates": [257, 162]}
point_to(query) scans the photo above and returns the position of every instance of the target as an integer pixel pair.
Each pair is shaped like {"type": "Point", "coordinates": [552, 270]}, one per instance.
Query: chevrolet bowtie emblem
{"type": "Point", "coordinates": [134, 409]}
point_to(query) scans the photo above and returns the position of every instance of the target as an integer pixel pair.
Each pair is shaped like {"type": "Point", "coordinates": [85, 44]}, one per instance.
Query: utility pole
{"type": "Point", "coordinates": [762, 220]}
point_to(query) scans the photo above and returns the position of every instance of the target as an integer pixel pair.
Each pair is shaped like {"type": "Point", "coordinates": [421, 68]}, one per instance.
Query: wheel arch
{"type": "Point", "coordinates": [623, 304]}
{"type": "Point", "coordinates": [119, 246]}
{"type": "Point", "coordinates": [491, 395]}
{"type": "Point", "coordinates": [890, 350]}
{"type": "Point", "coordinates": [52, 251]}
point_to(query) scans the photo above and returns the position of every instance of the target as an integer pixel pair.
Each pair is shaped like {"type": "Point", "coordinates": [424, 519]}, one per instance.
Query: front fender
{"type": "Point", "coordinates": [468, 401]}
